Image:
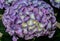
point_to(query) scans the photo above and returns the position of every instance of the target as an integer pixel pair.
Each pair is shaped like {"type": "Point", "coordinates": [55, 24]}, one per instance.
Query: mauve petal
{"type": "Point", "coordinates": [51, 35]}
{"type": "Point", "coordinates": [14, 38]}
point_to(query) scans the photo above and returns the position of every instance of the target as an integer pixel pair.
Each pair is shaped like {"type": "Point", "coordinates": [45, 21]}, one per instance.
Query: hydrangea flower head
{"type": "Point", "coordinates": [29, 19]}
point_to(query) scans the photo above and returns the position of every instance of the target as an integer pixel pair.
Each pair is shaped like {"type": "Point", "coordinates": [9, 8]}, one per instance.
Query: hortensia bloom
{"type": "Point", "coordinates": [29, 19]}
{"type": "Point", "coordinates": [55, 3]}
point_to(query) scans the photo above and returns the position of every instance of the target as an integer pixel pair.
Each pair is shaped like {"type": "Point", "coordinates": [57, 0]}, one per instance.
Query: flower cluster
{"type": "Point", "coordinates": [29, 19]}
{"type": "Point", "coordinates": [55, 3]}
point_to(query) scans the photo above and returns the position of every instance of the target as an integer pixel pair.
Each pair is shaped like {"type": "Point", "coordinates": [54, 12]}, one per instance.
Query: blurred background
{"type": "Point", "coordinates": [6, 37]}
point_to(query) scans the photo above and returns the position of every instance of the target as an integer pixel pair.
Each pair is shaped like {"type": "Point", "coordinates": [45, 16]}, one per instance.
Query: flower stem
{"type": "Point", "coordinates": [0, 16]}
{"type": "Point", "coordinates": [58, 25]}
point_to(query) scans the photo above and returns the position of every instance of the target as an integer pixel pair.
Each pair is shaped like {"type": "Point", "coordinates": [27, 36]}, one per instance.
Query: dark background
{"type": "Point", "coordinates": [56, 37]}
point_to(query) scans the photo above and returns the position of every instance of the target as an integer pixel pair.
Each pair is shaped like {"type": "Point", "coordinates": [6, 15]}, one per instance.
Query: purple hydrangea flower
{"type": "Point", "coordinates": [55, 3]}
{"type": "Point", "coordinates": [29, 19]}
